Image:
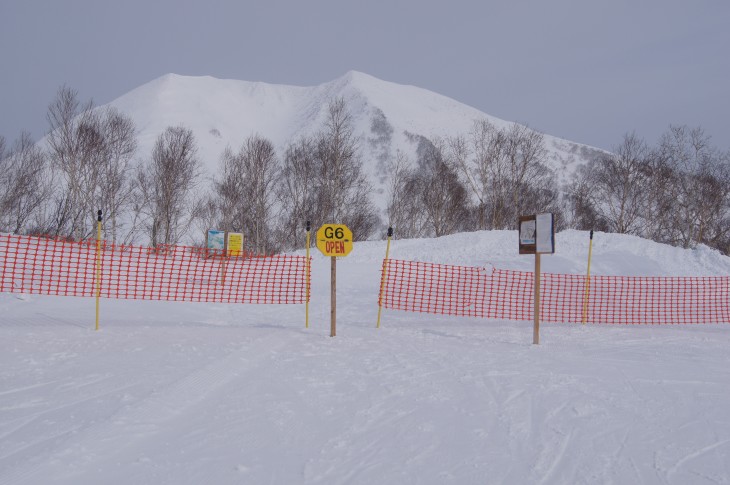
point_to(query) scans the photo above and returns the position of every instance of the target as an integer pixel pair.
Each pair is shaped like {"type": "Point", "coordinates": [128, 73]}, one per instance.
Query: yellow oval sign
{"type": "Point", "coordinates": [334, 240]}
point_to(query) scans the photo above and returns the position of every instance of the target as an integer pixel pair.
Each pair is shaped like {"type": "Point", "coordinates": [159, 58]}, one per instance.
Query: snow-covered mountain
{"type": "Point", "coordinates": [387, 117]}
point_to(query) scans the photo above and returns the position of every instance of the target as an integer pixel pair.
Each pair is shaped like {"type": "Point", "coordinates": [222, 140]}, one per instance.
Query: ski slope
{"type": "Point", "coordinates": [178, 393]}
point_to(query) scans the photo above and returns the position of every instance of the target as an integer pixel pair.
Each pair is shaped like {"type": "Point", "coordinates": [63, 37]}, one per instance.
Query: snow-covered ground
{"type": "Point", "coordinates": [227, 394]}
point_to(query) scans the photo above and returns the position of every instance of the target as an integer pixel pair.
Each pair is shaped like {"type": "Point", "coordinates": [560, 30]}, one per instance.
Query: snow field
{"type": "Point", "coordinates": [195, 393]}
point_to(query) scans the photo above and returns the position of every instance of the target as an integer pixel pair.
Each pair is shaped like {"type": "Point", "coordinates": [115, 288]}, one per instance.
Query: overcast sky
{"type": "Point", "coordinates": [584, 70]}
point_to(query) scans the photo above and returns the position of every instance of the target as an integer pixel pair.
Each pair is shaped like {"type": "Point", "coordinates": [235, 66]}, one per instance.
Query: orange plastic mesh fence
{"type": "Point", "coordinates": [174, 273]}
{"type": "Point", "coordinates": [504, 294]}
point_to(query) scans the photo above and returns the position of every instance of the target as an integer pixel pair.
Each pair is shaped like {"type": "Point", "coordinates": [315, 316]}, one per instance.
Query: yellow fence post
{"type": "Point", "coordinates": [588, 282]}
{"type": "Point", "coordinates": [307, 279]}
{"type": "Point", "coordinates": [98, 265]}
{"type": "Point", "coordinates": [382, 278]}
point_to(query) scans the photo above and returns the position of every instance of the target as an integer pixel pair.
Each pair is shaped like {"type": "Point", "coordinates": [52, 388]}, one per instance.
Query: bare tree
{"type": "Point", "coordinates": [91, 150]}
{"type": "Point", "coordinates": [505, 171]}
{"type": "Point", "coordinates": [713, 213]}
{"type": "Point", "coordinates": [207, 216]}
{"type": "Point", "coordinates": [167, 186]}
{"type": "Point", "coordinates": [477, 159]}
{"type": "Point", "coordinates": [617, 186]}
{"type": "Point", "coordinates": [75, 148]}
{"type": "Point", "coordinates": [247, 192]}
{"type": "Point", "coordinates": [402, 213]}
{"type": "Point", "coordinates": [443, 197]}
{"type": "Point", "coordinates": [25, 184]}
{"type": "Point", "coordinates": [530, 185]}
{"type": "Point", "coordinates": [580, 203]}
{"type": "Point", "coordinates": [427, 200]}
{"type": "Point", "coordinates": [343, 192]}
{"type": "Point", "coordinates": [296, 191]}
{"type": "Point", "coordinates": [322, 180]}
{"type": "Point", "coordinates": [698, 175]}
{"type": "Point", "coordinates": [115, 186]}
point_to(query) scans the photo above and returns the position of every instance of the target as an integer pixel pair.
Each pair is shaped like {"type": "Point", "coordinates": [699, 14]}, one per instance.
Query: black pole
{"type": "Point", "coordinates": [591, 233]}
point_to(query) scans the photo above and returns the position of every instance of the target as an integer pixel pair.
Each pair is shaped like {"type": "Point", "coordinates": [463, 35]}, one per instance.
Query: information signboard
{"type": "Point", "coordinates": [235, 244]}
{"type": "Point", "coordinates": [334, 240]}
{"type": "Point", "coordinates": [537, 234]}
{"type": "Point", "coordinates": [216, 240]}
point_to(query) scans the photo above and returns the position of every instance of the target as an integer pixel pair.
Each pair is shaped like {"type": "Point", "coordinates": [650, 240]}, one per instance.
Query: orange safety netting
{"type": "Point", "coordinates": [505, 294]}
{"type": "Point", "coordinates": [175, 273]}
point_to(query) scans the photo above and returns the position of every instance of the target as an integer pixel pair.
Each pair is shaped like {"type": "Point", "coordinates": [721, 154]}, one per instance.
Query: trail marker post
{"type": "Point", "coordinates": [308, 277]}
{"type": "Point", "coordinates": [536, 236]}
{"type": "Point", "coordinates": [382, 278]}
{"type": "Point", "coordinates": [98, 265]}
{"type": "Point", "coordinates": [334, 240]}
{"type": "Point", "coordinates": [588, 282]}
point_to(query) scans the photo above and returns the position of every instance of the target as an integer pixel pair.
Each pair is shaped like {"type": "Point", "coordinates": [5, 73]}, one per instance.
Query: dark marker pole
{"type": "Point", "coordinates": [98, 265]}
{"type": "Point", "coordinates": [308, 227]}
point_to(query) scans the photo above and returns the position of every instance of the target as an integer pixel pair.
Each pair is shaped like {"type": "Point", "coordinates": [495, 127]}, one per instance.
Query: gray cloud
{"type": "Point", "coordinates": [586, 71]}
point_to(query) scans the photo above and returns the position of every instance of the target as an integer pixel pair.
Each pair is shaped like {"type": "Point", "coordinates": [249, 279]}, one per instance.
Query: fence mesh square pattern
{"type": "Point", "coordinates": [175, 273]}
{"type": "Point", "coordinates": [509, 295]}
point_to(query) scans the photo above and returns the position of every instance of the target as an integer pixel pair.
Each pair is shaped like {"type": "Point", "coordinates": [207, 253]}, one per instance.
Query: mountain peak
{"type": "Point", "coordinates": [357, 76]}
{"type": "Point", "coordinates": [386, 116]}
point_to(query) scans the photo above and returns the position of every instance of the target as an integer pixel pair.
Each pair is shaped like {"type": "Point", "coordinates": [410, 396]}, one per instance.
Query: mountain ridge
{"type": "Point", "coordinates": [386, 116]}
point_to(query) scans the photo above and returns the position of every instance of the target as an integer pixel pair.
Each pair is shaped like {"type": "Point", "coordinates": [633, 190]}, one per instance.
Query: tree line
{"type": "Point", "coordinates": [677, 192]}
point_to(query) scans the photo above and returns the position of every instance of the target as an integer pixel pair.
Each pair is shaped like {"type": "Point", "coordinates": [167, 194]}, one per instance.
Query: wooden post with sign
{"type": "Point", "coordinates": [536, 236]}
{"type": "Point", "coordinates": [334, 240]}
{"type": "Point", "coordinates": [333, 296]}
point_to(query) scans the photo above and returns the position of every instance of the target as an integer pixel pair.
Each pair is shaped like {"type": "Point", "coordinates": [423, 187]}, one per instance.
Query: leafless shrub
{"type": "Point", "coordinates": [615, 187]}
{"type": "Point", "coordinates": [166, 186]}
{"type": "Point", "coordinates": [296, 192]}
{"type": "Point", "coordinates": [25, 184]}
{"type": "Point", "coordinates": [246, 192]}
{"type": "Point", "coordinates": [690, 181]}
{"type": "Point", "coordinates": [505, 171]}
{"type": "Point", "coordinates": [322, 180]}
{"type": "Point", "coordinates": [75, 147]}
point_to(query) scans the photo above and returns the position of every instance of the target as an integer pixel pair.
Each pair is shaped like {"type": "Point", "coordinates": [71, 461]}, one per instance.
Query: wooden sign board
{"type": "Point", "coordinates": [536, 234]}
{"type": "Point", "coordinates": [334, 240]}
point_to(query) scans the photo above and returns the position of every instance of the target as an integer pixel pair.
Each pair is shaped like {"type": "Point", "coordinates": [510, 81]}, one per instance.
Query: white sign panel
{"type": "Point", "coordinates": [527, 232]}
{"type": "Point", "coordinates": [544, 228]}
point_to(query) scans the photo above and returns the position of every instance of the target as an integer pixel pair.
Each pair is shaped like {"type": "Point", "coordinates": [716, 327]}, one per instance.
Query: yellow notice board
{"type": "Point", "coordinates": [334, 240]}
{"type": "Point", "coordinates": [235, 244]}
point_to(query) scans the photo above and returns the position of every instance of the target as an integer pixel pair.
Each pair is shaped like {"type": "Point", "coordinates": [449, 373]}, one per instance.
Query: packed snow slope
{"type": "Point", "coordinates": [387, 117]}
{"type": "Point", "coordinates": [171, 393]}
